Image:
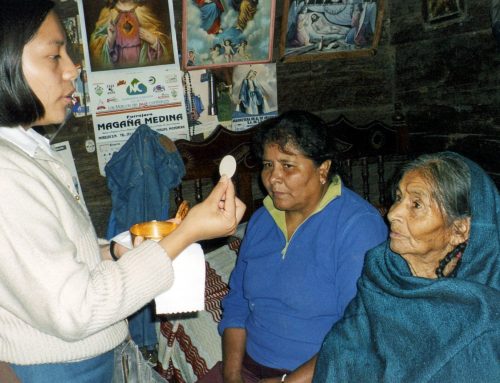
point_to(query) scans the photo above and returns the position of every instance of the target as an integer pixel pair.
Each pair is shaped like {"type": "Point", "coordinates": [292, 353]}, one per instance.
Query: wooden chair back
{"type": "Point", "coordinates": [369, 156]}
{"type": "Point", "coordinates": [202, 159]}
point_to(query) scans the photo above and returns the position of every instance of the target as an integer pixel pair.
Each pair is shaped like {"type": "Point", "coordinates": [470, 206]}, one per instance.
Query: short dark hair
{"type": "Point", "coordinates": [450, 179]}
{"type": "Point", "coordinates": [19, 22]}
{"type": "Point", "coordinates": [303, 130]}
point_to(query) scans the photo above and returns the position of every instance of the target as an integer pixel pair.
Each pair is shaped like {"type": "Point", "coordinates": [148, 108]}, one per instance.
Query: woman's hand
{"type": "Point", "coordinates": [303, 374]}
{"type": "Point", "coordinates": [217, 216]}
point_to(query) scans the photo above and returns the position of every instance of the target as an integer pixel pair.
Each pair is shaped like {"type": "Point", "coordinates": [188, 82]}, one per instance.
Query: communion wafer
{"type": "Point", "coordinates": [227, 166]}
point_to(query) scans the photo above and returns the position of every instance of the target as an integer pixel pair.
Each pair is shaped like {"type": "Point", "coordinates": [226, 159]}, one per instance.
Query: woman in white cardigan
{"type": "Point", "coordinates": [63, 299]}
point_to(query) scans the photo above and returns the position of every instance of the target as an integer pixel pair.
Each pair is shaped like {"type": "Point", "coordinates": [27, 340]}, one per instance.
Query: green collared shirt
{"type": "Point", "coordinates": [334, 190]}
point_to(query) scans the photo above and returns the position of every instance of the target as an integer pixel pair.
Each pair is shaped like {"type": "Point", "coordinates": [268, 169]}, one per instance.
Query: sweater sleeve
{"type": "Point", "coordinates": [235, 305]}
{"type": "Point", "coordinates": [51, 274]}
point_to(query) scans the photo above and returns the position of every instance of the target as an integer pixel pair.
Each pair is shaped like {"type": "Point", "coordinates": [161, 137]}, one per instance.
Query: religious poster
{"type": "Point", "coordinates": [70, 20]}
{"type": "Point", "coordinates": [201, 103]}
{"type": "Point", "coordinates": [253, 95]}
{"type": "Point", "coordinates": [133, 71]}
{"type": "Point", "coordinates": [313, 30]}
{"type": "Point", "coordinates": [495, 21]}
{"type": "Point", "coordinates": [123, 34]}
{"type": "Point", "coordinates": [81, 97]}
{"type": "Point", "coordinates": [440, 13]}
{"type": "Point", "coordinates": [219, 33]}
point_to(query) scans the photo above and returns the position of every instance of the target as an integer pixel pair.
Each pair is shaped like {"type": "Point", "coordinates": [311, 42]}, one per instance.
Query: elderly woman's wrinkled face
{"type": "Point", "coordinates": [293, 181]}
{"type": "Point", "coordinates": [418, 228]}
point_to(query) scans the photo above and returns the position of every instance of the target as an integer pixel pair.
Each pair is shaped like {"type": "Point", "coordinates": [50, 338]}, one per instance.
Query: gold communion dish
{"type": "Point", "coordinates": [154, 230]}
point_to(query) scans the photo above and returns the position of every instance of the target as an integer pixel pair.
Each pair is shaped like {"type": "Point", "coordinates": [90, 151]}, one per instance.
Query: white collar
{"type": "Point", "coordinates": [28, 140]}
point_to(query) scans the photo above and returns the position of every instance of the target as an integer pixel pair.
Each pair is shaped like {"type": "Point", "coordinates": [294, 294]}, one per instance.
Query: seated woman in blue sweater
{"type": "Point", "coordinates": [299, 260]}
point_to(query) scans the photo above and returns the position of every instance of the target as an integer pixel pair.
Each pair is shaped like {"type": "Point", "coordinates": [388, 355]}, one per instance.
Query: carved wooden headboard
{"type": "Point", "coordinates": [369, 156]}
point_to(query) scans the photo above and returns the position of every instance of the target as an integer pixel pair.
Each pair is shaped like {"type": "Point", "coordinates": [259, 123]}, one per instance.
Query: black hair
{"type": "Point", "coordinates": [19, 23]}
{"type": "Point", "coordinates": [304, 131]}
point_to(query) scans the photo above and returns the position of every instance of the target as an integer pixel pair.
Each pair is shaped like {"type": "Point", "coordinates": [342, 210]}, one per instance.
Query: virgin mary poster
{"type": "Point", "coordinates": [253, 95]}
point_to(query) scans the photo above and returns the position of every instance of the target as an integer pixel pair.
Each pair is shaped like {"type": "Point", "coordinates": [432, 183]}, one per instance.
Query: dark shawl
{"type": "Point", "coordinates": [401, 328]}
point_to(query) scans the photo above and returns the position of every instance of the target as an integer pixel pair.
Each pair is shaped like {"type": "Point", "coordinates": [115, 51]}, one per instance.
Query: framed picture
{"type": "Point", "coordinates": [225, 33]}
{"type": "Point", "coordinates": [439, 13]}
{"type": "Point", "coordinates": [495, 21]}
{"type": "Point", "coordinates": [325, 29]}
{"type": "Point", "coordinates": [122, 34]}
{"type": "Point", "coordinates": [253, 95]}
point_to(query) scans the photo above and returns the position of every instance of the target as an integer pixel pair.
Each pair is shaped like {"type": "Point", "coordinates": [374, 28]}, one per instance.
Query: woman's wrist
{"type": "Point", "coordinates": [177, 241]}
{"type": "Point", "coordinates": [233, 378]}
{"type": "Point", "coordinates": [112, 250]}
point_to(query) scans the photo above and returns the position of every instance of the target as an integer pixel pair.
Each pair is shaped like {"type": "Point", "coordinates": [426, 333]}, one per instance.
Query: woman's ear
{"type": "Point", "coordinates": [461, 230]}
{"type": "Point", "coordinates": [324, 168]}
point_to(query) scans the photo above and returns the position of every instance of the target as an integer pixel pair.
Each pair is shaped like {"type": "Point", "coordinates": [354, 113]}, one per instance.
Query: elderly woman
{"type": "Point", "coordinates": [300, 257]}
{"type": "Point", "coordinates": [428, 301]}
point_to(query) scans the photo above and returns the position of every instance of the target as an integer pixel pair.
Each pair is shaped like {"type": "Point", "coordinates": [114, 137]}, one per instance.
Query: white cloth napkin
{"type": "Point", "coordinates": [187, 293]}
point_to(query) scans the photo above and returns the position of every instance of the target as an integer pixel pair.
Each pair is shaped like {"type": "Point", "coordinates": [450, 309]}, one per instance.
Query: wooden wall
{"type": "Point", "coordinates": [446, 80]}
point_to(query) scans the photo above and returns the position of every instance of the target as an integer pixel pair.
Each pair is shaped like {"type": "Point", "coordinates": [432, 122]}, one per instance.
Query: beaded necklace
{"type": "Point", "coordinates": [189, 100]}
{"type": "Point", "coordinates": [455, 253]}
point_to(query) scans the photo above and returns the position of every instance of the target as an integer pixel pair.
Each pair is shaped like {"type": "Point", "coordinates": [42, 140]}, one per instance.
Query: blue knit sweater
{"type": "Point", "coordinates": [401, 328]}
{"type": "Point", "coordinates": [287, 294]}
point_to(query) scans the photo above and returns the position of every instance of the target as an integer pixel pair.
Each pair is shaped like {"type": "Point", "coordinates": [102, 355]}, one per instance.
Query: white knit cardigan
{"type": "Point", "coordinates": [58, 300]}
